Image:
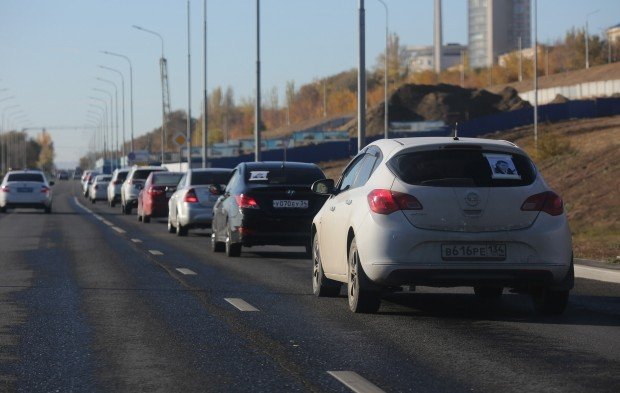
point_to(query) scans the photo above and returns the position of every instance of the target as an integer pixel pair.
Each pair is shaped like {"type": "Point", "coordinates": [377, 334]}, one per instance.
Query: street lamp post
{"type": "Point", "coordinates": [99, 136]}
{"type": "Point", "coordinates": [124, 153]}
{"type": "Point", "coordinates": [106, 125]}
{"type": "Point", "coordinates": [111, 123]}
{"type": "Point", "coordinates": [361, 78]}
{"type": "Point", "coordinates": [162, 62]}
{"type": "Point", "coordinates": [5, 148]}
{"type": "Point", "coordinates": [116, 111]}
{"type": "Point", "coordinates": [257, 114]}
{"type": "Point", "coordinates": [385, 73]}
{"type": "Point", "coordinates": [588, 39]}
{"type": "Point", "coordinates": [130, 89]}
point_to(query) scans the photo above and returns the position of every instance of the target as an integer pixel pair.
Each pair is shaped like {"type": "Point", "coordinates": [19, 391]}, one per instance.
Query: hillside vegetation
{"type": "Point", "coordinates": [579, 159]}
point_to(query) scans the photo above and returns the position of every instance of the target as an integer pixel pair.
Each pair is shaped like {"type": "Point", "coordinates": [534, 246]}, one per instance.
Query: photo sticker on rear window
{"type": "Point", "coordinates": [259, 175]}
{"type": "Point", "coordinates": [502, 166]}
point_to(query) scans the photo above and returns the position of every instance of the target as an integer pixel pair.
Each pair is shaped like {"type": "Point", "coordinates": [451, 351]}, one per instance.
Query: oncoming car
{"type": "Point", "coordinates": [436, 212]}
{"type": "Point", "coordinates": [26, 189]}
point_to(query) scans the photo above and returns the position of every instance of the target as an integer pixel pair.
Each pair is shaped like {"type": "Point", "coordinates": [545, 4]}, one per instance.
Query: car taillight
{"type": "Point", "coordinates": [117, 182]}
{"type": "Point", "coordinates": [387, 202]}
{"type": "Point", "coordinates": [548, 202]}
{"type": "Point", "coordinates": [45, 189]}
{"type": "Point", "coordinates": [246, 202]}
{"type": "Point", "coordinates": [190, 196]}
{"type": "Point", "coordinates": [156, 190]}
{"type": "Point", "coordinates": [6, 189]}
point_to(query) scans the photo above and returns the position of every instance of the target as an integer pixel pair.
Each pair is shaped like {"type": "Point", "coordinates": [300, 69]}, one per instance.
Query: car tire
{"type": "Point", "coordinates": [48, 209]}
{"type": "Point", "coordinates": [232, 249]}
{"type": "Point", "coordinates": [112, 203]}
{"type": "Point", "coordinates": [550, 302]}
{"type": "Point", "coordinates": [488, 292]}
{"type": "Point", "coordinates": [181, 230]}
{"type": "Point", "coordinates": [215, 245]}
{"type": "Point", "coordinates": [171, 228]}
{"type": "Point", "coordinates": [146, 219]}
{"type": "Point", "coordinates": [3, 209]}
{"type": "Point", "coordinates": [92, 200]}
{"type": "Point", "coordinates": [139, 216]}
{"type": "Point", "coordinates": [127, 209]}
{"type": "Point", "coordinates": [362, 297]}
{"type": "Point", "coordinates": [321, 285]}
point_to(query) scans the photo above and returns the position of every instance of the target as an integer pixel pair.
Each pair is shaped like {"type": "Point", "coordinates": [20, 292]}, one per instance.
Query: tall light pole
{"type": "Point", "coordinates": [385, 73]}
{"type": "Point", "coordinates": [111, 123]}
{"type": "Point", "coordinates": [204, 86]}
{"type": "Point", "coordinates": [535, 77]}
{"type": "Point", "coordinates": [106, 125]}
{"type": "Point", "coordinates": [189, 95]}
{"type": "Point", "coordinates": [130, 89]}
{"type": "Point", "coordinates": [124, 153]}
{"type": "Point", "coordinates": [116, 111]}
{"type": "Point", "coordinates": [588, 39]}
{"type": "Point", "coordinates": [257, 117]}
{"type": "Point", "coordinates": [361, 79]}
{"type": "Point", "coordinates": [163, 68]}
{"type": "Point", "coordinates": [103, 114]}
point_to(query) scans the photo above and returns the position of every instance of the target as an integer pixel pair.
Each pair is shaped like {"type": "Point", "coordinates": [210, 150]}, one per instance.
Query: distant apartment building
{"type": "Point", "coordinates": [495, 27]}
{"type": "Point", "coordinates": [613, 33]}
{"type": "Point", "coordinates": [421, 58]}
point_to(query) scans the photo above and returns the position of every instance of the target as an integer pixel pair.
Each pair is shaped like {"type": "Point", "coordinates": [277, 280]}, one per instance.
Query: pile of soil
{"type": "Point", "coordinates": [449, 103]}
{"type": "Point", "coordinates": [559, 99]}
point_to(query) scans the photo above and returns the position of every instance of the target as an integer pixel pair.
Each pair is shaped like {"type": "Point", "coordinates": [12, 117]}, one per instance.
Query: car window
{"type": "Point", "coordinates": [37, 177]}
{"type": "Point", "coordinates": [122, 175]}
{"type": "Point", "coordinates": [282, 175]}
{"type": "Point", "coordinates": [234, 179]}
{"type": "Point", "coordinates": [348, 176]}
{"type": "Point", "coordinates": [143, 173]}
{"type": "Point", "coordinates": [182, 181]}
{"type": "Point", "coordinates": [463, 168]}
{"type": "Point", "coordinates": [368, 166]}
{"type": "Point", "coordinates": [206, 178]}
{"type": "Point", "coordinates": [168, 179]}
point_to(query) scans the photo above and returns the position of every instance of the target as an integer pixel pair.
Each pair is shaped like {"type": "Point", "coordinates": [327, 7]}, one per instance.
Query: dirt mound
{"type": "Point", "coordinates": [449, 103]}
{"type": "Point", "coordinates": [559, 99]}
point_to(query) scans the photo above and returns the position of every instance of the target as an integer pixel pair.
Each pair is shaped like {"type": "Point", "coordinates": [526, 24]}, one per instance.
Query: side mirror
{"type": "Point", "coordinates": [323, 187]}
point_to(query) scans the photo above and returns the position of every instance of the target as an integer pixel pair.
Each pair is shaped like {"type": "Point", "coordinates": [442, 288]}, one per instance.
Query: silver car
{"type": "Point", "coordinates": [114, 187]}
{"type": "Point", "coordinates": [98, 189]}
{"type": "Point", "coordinates": [191, 205]}
{"type": "Point", "coordinates": [27, 189]}
{"type": "Point", "coordinates": [442, 212]}
{"type": "Point", "coordinates": [133, 184]}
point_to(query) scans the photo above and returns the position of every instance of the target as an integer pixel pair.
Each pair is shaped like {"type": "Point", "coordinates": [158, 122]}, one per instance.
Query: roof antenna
{"type": "Point", "coordinates": [456, 131]}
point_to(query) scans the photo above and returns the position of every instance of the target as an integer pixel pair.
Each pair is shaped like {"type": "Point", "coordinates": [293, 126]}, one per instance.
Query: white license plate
{"type": "Point", "coordinates": [471, 252]}
{"type": "Point", "coordinates": [290, 204]}
{"type": "Point", "coordinates": [24, 189]}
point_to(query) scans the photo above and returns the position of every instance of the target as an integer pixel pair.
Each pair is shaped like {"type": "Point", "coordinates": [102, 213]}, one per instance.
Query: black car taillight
{"type": "Point", "coordinates": [548, 202]}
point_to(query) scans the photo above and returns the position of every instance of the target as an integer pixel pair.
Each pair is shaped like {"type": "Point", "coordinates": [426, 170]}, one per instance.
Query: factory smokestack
{"type": "Point", "coordinates": [438, 39]}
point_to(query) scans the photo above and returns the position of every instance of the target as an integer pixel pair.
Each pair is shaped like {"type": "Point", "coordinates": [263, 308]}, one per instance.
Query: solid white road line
{"type": "Point", "coordinates": [98, 217]}
{"type": "Point", "coordinates": [136, 240]}
{"type": "Point", "coordinates": [119, 230]}
{"type": "Point", "coordinates": [241, 304]}
{"type": "Point", "coordinates": [107, 222]}
{"type": "Point", "coordinates": [594, 273]}
{"type": "Point", "coordinates": [186, 271]}
{"type": "Point", "coordinates": [156, 252]}
{"type": "Point", "coordinates": [355, 382]}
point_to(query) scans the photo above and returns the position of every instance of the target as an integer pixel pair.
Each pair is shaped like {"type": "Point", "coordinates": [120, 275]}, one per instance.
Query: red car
{"type": "Point", "coordinates": [154, 196]}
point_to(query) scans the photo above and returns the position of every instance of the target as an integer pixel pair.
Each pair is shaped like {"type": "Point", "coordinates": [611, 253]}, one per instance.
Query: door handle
{"type": "Point", "coordinates": [349, 201]}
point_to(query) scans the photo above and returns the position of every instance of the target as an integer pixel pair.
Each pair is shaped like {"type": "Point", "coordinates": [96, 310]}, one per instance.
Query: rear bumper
{"type": "Point", "coordinates": [274, 231]}
{"type": "Point", "coordinates": [27, 205]}
{"type": "Point", "coordinates": [193, 216]}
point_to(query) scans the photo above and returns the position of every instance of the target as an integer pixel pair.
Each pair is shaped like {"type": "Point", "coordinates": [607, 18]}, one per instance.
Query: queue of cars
{"type": "Point", "coordinates": [438, 212]}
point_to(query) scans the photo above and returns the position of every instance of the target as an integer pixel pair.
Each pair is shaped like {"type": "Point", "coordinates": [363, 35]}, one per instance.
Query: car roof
{"type": "Point", "coordinates": [193, 170]}
{"type": "Point", "coordinates": [392, 146]}
{"type": "Point", "coordinates": [25, 171]}
{"type": "Point", "coordinates": [279, 164]}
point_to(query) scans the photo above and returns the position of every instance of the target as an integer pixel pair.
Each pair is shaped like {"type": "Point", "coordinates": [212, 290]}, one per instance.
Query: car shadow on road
{"type": "Point", "coordinates": [581, 310]}
{"type": "Point", "coordinates": [248, 253]}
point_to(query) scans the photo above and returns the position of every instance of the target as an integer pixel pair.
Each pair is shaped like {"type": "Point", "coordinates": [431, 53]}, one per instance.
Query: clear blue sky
{"type": "Point", "coordinates": [50, 49]}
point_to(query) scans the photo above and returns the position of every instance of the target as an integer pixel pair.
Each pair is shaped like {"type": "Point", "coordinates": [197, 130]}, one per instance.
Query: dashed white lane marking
{"type": "Point", "coordinates": [241, 304]}
{"type": "Point", "coordinates": [108, 223]}
{"type": "Point", "coordinates": [77, 202]}
{"type": "Point", "coordinates": [156, 252]}
{"type": "Point", "coordinates": [136, 240]}
{"type": "Point", "coordinates": [186, 271]}
{"type": "Point", "coordinates": [355, 382]}
{"type": "Point", "coordinates": [119, 230]}
{"type": "Point", "coordinates": [98, 217]}
{"type": "Point", "coordinates": [594, 273]}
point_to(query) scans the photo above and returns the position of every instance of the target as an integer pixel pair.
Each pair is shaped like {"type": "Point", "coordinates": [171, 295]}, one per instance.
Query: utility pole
{"type": "Point", "coordinates": [361, 80]}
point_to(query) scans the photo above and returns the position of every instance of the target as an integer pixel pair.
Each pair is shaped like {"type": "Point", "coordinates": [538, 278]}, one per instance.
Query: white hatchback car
{"type": "Point", "coordinates": [98, 189]}
{"type": "Point", "coordinates": [28, 188]}
{"type": "Point", "coordinates": [442, 212]}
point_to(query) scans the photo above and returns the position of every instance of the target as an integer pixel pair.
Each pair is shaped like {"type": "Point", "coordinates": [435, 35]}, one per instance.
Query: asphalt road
{"type": "Point", "coordinates": [94, 301]}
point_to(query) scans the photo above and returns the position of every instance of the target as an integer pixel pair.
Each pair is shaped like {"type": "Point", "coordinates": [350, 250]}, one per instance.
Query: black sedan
{"type": "Point", "coordinates": [266, 203]}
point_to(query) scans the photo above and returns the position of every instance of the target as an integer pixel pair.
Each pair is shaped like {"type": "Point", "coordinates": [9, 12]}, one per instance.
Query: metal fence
{"type": "Point", "coordinates": [575, 92]}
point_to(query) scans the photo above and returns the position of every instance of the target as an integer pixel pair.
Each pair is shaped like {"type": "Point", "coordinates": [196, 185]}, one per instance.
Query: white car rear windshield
{"type": "Point", "coordinates": [36, 177]}
{"type": "Point", "coordinates": [463, 168]}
